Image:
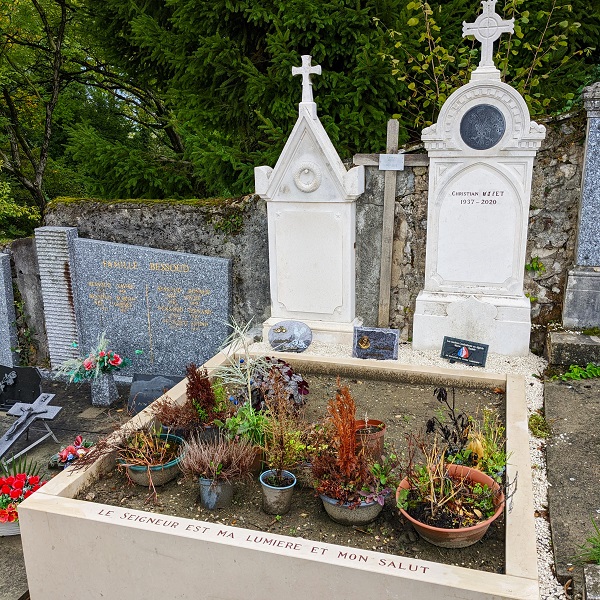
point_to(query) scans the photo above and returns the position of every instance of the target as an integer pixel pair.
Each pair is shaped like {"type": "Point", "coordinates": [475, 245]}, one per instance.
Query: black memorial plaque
{"type": "Point", "coordinates": [146, 388]}
{"type": "Point", "coordinates": [482, 127]}
{"type": "Point", "coordinates": [373, 342]}
{"type": "Point", "coordinates": [464, 351]}
{"type": "Point", "coordinates": [19, 384]}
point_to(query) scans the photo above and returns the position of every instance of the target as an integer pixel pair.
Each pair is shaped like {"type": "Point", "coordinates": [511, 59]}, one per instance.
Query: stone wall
{"type": "Point", "coordinates": [237, 229]}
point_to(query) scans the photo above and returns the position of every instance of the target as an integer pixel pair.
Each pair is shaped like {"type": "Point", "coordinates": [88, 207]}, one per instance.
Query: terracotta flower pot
{"type": "Point", "coordinates": [370, 436]}
{"type": "Point", "coordinates": [463, 536]}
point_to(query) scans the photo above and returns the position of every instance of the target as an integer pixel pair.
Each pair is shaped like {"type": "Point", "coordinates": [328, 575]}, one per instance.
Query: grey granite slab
{"type": "Point", "coordinates": [8, 329]}
{"type": "Point", "coordinates": [161, 309]}
{"type": "Point", "coordinates": [588, 248]}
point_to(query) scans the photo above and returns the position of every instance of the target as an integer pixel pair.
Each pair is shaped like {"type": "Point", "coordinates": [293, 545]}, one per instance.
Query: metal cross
{"type": "Point", "coordinates": [487, 29]}
{"type": "Point", "coordinates": [306, 71]}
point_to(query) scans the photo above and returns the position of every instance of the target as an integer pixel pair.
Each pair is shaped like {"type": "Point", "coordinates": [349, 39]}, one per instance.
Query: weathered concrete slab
{"type": "Point", "coordinates": [592, 582]}
{"type": "Point", "coordinates": [573, 458]}
{"type": "Point", "coordinates": [572, 348]}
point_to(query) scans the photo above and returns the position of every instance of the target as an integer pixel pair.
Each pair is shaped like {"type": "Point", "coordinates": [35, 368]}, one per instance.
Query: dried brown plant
{"type": "Point", "coordinates": [176, 417]}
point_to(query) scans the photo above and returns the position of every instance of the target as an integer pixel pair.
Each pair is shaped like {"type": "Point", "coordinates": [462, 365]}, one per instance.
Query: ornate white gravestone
{"type": "Point", "coordinates": [481, 159]}
{"type": "Point", "coordinates": [311, 214]}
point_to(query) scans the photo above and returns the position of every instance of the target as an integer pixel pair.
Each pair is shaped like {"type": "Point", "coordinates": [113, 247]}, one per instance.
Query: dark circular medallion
{"type": "Point", "coordinates": [482, 127]}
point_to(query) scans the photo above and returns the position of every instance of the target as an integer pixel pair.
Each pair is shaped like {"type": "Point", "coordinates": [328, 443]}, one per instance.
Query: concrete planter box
{"type": "Point", "coordinates": [76, 549]}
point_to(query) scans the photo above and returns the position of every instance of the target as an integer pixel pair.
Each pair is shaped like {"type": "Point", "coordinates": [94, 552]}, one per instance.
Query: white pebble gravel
{"type": "Point", "coordinates": [528, 366]}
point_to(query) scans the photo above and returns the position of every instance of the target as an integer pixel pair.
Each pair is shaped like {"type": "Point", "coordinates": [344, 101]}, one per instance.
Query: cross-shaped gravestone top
{"type": "Point", "coordinates": [306, 70]}
{"type": "Point", "coordinates": [487, 29]}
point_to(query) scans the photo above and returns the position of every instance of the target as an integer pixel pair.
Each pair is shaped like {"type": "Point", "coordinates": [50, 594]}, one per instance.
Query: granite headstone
{"type": "Point", "coordinates": [582, 295]}
{"type": "Point", "coordinates": [290, 336]}
{"type": "Point", "coordinates": [375, 342]}
{"type": "Point", "coordinates": [8, 331]}
{"type": "Point", "coordinates": [146, 388]}
{"type": "Point", "coordinates": [161, 309]}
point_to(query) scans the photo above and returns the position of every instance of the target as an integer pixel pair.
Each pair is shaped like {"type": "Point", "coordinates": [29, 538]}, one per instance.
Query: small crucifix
{"type": "Point", "coordinates": [487, 29]}
{"type": "Point", "coordinates": [306, 71]}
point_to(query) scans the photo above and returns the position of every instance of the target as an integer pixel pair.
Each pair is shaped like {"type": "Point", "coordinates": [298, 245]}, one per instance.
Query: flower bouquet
{"type": "Point", "coordinates": [13, 490]}
{"type": "Point", "coordinates": [98, 362]}
{"type": "Point", "coordinates": [97, 367]}
{"type": "Point", "coordinates": [65, 456]}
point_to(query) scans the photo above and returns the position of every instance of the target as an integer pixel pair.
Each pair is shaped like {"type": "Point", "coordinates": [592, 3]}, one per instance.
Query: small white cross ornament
{"type": "Point", "coordinates": [487, 29]}
{"type": "Point", "coordinates": [306, 71]}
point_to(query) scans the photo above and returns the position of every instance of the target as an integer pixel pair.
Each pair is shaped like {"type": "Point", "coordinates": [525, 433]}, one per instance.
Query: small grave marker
{"type": "Point", "coordinates": [290, 336]}
{"type": "Point", "coordinates": [375, 342]}
{"type": "Point", "coordinates": [464, 351]}
{"type": "Point", "coordinates": [146, 388]}
{"type": "Point", "coordinates": [19, 384]}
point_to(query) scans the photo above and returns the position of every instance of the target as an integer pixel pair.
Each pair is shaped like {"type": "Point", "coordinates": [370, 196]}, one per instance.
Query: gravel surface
{"type": "Point", "coordinates": [528, 366]}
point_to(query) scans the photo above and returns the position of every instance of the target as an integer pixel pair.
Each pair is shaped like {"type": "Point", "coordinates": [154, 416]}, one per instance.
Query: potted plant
{"type": "Point", "coordinates": [97, 367]}
{"type": "Point", "coordinates": [248, 424]}
{"type": "Point", "coordinates": [179, 419]}
{"type": "Point", "coordinates": [149, 458]}
{"type": "Point", "coordinates": [283, 432]}
{"type": "Point", "coordinates": [449, 505]}
{"type": "Point", "coordinates": [474, 442]}
{"type": "Point", "coordinates": [350, 491]}
{"type": "Point", "coordinates": [17, 482]}
{"type": "Point", "coordinates": [210, 406]}
{"type": "Point", "coordinates": [217, 464]}
{"type": "Point", "coordinates": [370, 436]}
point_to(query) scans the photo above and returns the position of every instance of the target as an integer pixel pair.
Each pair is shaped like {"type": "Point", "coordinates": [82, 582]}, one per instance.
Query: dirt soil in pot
{"type": "Point", "coordinates": [403, 408]}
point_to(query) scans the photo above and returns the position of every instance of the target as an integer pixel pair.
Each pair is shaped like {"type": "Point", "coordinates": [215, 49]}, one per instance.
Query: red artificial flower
{"type": "Point", "coordinates": [2, 481]}
{"type": "Point", "coordinates": [9, 480]}
{"type": "Point", "coordinates": [3, 515]}
{"type": "Point", "coordinates": [88, 364]}
{"type": "Point", "coordinates": [15, 494]}
{"type": "Point", "coordinates": [33, 480]}
{"type": "Point", "coordinates": [78, 441]}
{"type": "Point", "coordinates": [116, 360]}
{"type": "Point", "coordinates": [5, 489]}
{"type": "Point", "coordinates": [21, 476]}
{"type": "Point", "coordinates": [102, 353]}
{"type": "Point", "coordinates": [18, 484]}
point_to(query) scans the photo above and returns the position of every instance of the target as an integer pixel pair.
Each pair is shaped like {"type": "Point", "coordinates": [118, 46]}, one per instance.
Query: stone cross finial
{"type": "Point", "coordinates": [487, 29]}
{"type": "Point", "coordinates": [306, 71]}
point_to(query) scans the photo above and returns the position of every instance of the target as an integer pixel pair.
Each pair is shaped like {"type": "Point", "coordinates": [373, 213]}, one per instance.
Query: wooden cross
{"type": "Point", "coordinates": [487, 29]}
{"type": "Point", "coordinates": [306, 71]}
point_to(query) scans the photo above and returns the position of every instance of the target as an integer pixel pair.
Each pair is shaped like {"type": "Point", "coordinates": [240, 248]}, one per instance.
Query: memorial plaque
{"type": "Point", "coordinates": [160, 309]}
{"type": "Point", "coordinates": [290, 336]}
{"type": "Point", "coordinates": [482, 127]}
{"type": "Point", "coordinates": [464, 351]}
{"type": "Point", "coordinates": [146, 388]}
{"type": "Point", "coordinates": [374, 342]}
{"type": "Point", "coordinates": [19, 384]}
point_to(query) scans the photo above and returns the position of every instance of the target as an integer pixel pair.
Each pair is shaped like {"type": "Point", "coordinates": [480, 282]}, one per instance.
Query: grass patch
{"type": "Point", "coordinates": [538, 426]}
{"type": "Point", "coordinates": [590, 551]}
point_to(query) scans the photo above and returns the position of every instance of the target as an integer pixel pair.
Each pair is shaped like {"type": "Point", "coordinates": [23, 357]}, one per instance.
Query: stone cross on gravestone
{"type": "Point", "coordinates": [487, 29]}
{"type": "Point", "coordinates": [306, 70]}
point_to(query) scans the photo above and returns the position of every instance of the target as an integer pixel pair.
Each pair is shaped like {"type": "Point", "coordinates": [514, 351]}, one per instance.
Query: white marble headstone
{"type": "Point", "coordinates": [311, 215]}
{"type": "Point", "coordinates": [481, 153]}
